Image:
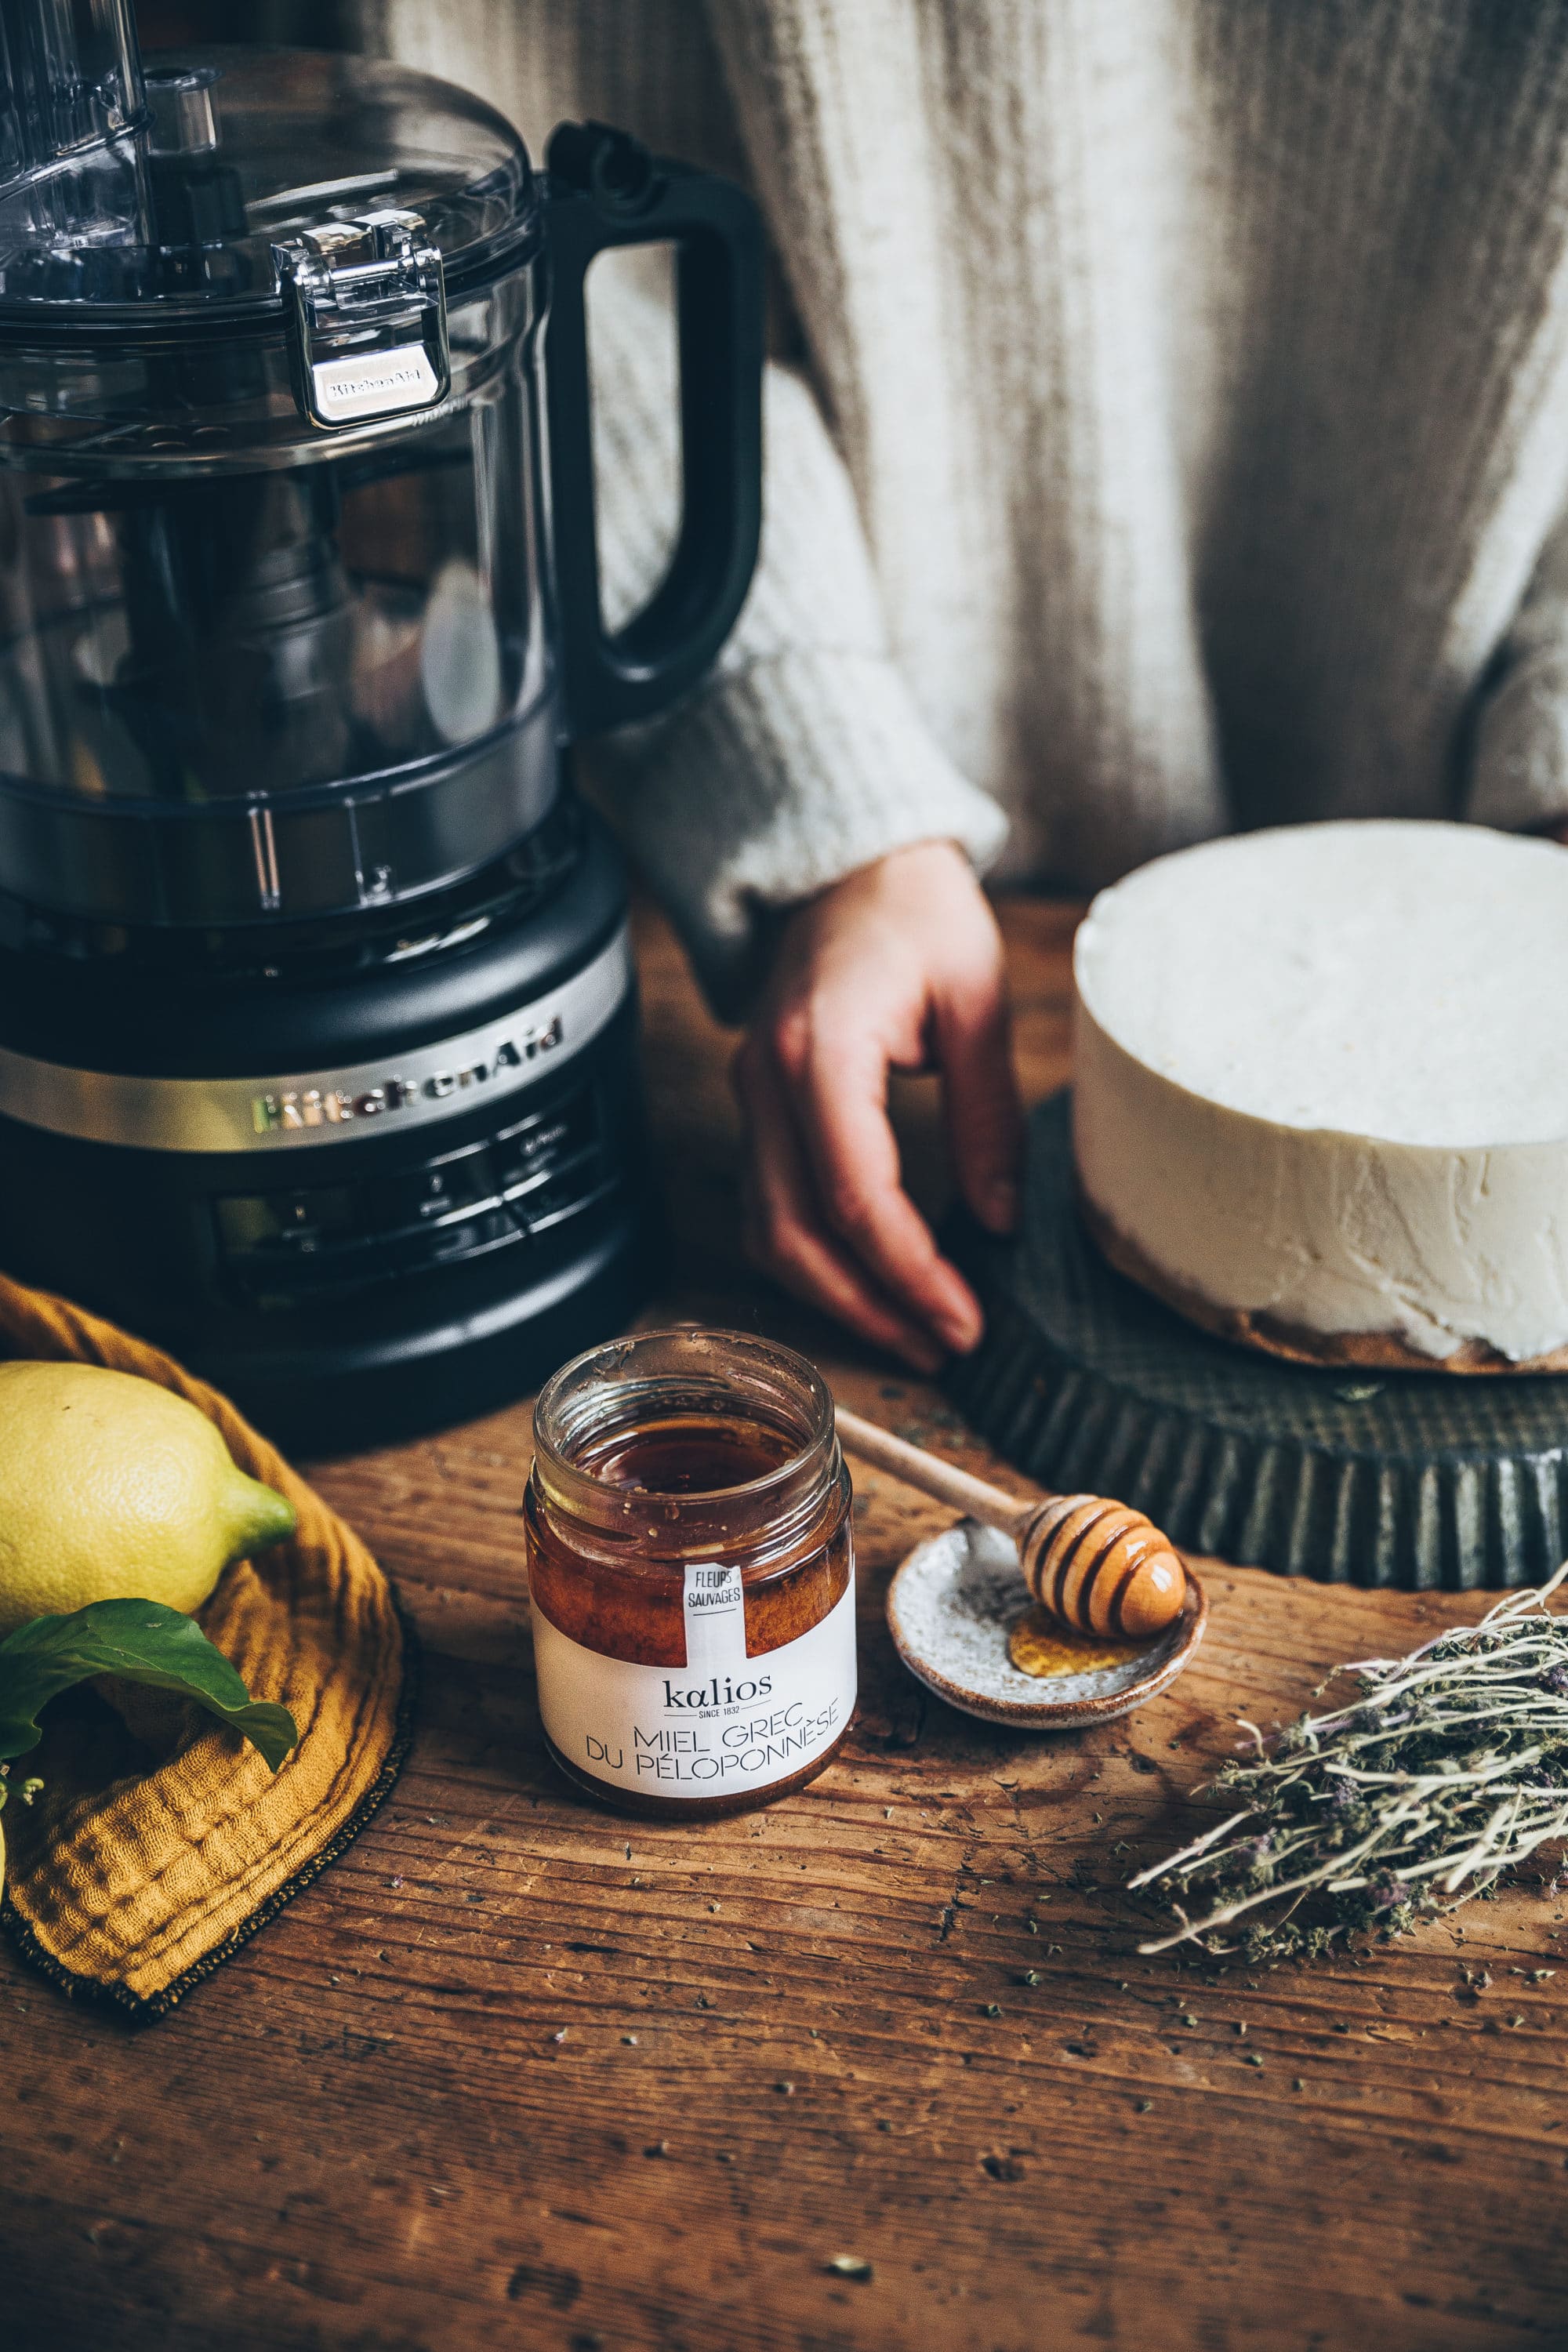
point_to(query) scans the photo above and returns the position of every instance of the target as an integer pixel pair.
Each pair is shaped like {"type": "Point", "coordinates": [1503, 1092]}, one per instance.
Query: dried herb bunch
{"type": "Point", "coordinates": [1450, 1770]}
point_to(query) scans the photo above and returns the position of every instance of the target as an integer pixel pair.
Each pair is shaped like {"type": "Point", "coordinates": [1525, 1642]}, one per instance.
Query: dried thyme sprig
{"type": "Point", "coordinates": [1450, 1770]}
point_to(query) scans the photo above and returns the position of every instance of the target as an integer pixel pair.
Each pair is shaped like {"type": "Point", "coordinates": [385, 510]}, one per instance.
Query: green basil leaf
{"type": "Point", "coordinates": [142, 1642]}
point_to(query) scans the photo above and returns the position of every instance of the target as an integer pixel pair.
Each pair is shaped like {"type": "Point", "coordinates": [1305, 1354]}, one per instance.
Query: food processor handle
{"type": "Point", "coordinates": [606, 190]}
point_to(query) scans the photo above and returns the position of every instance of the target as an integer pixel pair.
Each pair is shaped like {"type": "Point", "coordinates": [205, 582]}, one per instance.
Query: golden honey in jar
{"type": "Point", "coordinates": [691, 1570]}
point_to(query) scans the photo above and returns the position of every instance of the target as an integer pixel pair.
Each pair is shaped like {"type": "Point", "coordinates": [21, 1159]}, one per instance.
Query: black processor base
{"type": "Point", "coordinates": [342, 1397]}
{"type": "Point", "coordinates": [369, 1289]}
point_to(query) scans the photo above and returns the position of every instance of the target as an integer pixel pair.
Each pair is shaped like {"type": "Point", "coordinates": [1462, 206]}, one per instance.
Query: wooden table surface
{"type": "Point", "coordinates": [515, 2073]}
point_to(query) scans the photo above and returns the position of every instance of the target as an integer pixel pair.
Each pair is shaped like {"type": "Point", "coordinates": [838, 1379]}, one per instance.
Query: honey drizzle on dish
{"type": "Point", "coordinates": [1041, 1646]}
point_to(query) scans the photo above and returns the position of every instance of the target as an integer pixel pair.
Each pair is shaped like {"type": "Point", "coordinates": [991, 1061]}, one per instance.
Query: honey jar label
{"type": "Point", "coordinates": [715, 1618]}
{"type": "Point", "coordinates": [722, 1724]}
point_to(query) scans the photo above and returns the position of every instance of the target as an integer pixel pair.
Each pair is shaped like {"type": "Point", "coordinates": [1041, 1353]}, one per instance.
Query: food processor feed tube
{"type": "Point", "coordinates": [73, 91]}
{"type": "Point", "coordinates": [317, 1030]}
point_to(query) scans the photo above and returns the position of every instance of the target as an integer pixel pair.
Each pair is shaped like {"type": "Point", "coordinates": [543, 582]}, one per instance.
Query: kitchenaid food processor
{"type": "Point", "coordinates": [318, 1041]}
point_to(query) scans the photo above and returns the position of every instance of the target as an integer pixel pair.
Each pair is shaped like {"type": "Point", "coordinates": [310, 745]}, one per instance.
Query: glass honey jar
{"type": "Point", "coordinates": [692, 1570]}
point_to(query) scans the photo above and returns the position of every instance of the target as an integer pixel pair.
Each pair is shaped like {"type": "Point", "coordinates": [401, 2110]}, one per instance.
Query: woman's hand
{"type": "Point", "coordinates": [897, 967]}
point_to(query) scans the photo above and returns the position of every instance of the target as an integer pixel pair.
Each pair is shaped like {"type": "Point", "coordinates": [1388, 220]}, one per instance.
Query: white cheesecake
{"type": "Point", "coordinates": [1320, 1091]}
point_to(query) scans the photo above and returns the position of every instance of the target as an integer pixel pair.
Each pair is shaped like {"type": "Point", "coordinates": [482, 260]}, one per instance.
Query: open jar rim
{"type": "Point", "coordinates": [626, 1381]}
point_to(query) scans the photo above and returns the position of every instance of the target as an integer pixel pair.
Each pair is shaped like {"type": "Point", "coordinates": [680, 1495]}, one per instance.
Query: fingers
{"type": "Point", "coordinates": [899, 965]}
{"type": "Point", "coordinates": [784, 1231]}
{"type": "Point", "coordinates": [839, 1084]}
{"type": "Point", "coordinates": [972, 1039]}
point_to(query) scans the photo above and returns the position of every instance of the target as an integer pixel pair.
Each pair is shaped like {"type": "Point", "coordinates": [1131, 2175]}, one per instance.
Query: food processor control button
{"type": "Point", "coordinates": [279, 1249]}
{"type": "Point", "coordinates": [525, 1155]}
{"type": "Point", "coordinates": [566, 1195]}
{"type": "Point", "coordinates": [461, 1236]}
{"type": "Point", "coordinates": [285, 1227]}
{"type": "Point", "coordinates": [428, 1196]}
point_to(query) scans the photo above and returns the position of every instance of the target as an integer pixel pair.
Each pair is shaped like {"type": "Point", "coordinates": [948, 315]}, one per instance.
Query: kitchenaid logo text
{"type": "Point", "coordinates": [373, 382]}
{"type": "Point", "coordinates": [301, 1107]}
{"type": "Point", "coordinates": [389, 379]}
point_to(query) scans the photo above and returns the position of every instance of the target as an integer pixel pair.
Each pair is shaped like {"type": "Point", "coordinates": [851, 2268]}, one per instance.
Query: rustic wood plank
{"type": "Point", "coordinates": [516, 2073]}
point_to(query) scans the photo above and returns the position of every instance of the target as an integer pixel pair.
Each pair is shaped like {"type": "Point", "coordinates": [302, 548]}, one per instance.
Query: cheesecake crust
{"type": "Point", "coordinates": [1271, 1336]}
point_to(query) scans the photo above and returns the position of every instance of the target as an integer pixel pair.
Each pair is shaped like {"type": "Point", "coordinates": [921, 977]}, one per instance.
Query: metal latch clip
{"type": "Point", "coordinates": [368, 305]}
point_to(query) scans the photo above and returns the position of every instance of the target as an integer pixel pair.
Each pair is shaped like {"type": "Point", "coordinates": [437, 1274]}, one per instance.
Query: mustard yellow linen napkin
{"type": "Point", "coordinates": [140, 1868]}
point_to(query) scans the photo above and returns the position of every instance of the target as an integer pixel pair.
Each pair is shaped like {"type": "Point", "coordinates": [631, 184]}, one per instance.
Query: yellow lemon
{"type": "Point", "coordinates": [113, 1488]}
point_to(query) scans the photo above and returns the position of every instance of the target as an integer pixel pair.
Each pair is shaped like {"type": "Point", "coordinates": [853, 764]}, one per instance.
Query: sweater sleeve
{"type": "Point", "coordinates": [803, 755]}
{"type": "Point", "coordinates": [1518, 773]}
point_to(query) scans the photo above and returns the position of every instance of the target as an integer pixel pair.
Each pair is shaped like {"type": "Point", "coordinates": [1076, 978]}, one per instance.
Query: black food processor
{"type": "Point", "coordinates": [318, 1039]}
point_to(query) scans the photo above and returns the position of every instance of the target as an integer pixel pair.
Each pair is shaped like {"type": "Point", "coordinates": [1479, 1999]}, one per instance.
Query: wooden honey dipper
{"type": "Point", "coordinates": [1099, 1567]}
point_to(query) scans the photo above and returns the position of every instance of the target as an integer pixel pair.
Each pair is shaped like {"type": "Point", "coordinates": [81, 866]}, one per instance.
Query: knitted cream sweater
{"type": "Point", "coordinates": [1177, 439]}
